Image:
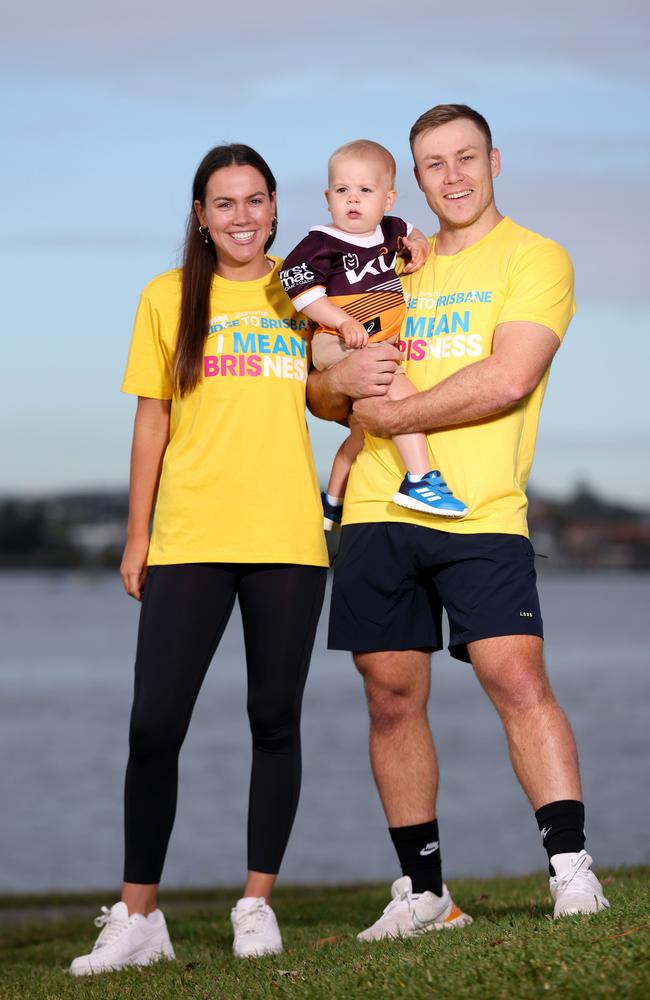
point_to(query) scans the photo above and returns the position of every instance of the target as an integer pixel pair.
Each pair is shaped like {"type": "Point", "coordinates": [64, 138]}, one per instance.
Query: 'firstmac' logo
{"type": "Point", "coordinates": [294, 276]}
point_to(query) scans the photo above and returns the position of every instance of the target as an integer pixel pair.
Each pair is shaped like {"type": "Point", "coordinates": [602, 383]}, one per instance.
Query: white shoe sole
{"type": "Point", "coordinates": [258, 954]}
{"type": "Point", "coordinates": [449, 924]}
{"type": "Point", "coordinates": [145, 957]}
{"type": "Point", "coordinates": [403, 501]}
{"type": "Point", "coordinates": [576, 911]}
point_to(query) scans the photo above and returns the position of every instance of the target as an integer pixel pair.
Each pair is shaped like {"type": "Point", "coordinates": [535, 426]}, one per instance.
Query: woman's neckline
{"type": "Point", "coordinates": [261, 279]}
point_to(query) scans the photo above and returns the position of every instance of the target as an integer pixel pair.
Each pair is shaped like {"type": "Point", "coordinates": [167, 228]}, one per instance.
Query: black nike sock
{"type": "Point", "coordinates": [418, 850]}
{"type": "Point", "coordinates": [562, 825]}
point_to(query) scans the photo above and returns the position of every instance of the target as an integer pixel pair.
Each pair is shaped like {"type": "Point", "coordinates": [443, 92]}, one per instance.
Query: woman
{"type": "Point", "coordinates": [218, 360]}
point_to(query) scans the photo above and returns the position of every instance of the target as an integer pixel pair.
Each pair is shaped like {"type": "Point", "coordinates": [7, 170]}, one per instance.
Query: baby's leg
{"type": "Point", "coordinates": [344, 458]}
{"type": "Point", "coordinates": [412, 447]}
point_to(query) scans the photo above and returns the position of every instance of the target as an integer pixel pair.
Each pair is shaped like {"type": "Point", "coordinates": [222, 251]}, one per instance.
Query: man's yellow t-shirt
{"type": "Point", "coordinates": [454, 305]}
{"type": "Point", "coordinates": [238, 482]}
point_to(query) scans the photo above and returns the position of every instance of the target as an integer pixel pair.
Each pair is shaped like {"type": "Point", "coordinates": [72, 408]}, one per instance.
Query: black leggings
{"type": "Point", "coordinates": [185, 610]}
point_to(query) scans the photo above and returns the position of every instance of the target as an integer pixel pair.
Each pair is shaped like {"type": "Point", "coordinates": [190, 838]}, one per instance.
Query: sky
{"type": "Point", "coordinates": [106, 110]}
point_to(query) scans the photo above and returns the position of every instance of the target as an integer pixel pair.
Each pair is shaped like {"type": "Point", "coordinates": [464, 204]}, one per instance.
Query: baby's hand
{"type": "Point", "coordinates": [418, 248]}
{"type": "Point", "coordinates": [353, 333]}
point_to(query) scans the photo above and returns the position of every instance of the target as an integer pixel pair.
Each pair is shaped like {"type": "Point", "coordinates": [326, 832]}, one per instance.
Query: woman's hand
{"type": "Point", "coordinates": [133, 568]}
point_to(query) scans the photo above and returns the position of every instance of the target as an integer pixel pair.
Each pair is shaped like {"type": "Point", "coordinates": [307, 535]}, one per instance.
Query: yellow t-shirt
{"type": "Point", "coordinates": [238, 481]}
{"type": "Point", "coordinates": [454, 304]}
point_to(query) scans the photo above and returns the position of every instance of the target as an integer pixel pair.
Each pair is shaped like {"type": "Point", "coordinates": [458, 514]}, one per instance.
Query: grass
{"type": "Point", "coordinates": [513, 949]}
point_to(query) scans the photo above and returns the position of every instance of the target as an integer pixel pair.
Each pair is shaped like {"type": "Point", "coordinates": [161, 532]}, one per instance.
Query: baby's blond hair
{"type": "Point", "coordinates": [365, 149]}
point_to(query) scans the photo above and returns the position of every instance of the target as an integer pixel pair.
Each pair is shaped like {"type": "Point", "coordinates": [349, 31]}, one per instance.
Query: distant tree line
{"type": "Point", "coordinates": [87, 530]}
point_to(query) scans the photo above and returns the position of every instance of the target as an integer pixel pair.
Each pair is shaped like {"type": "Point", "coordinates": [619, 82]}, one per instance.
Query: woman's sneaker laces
{"type": "Point", "coordinates": [125, 940]}
{"type": "Point", "coordinates": [255, 927]}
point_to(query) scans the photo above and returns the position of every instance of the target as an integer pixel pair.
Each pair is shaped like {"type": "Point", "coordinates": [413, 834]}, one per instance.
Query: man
{"type": "Point", "coordinates": [485, 317]}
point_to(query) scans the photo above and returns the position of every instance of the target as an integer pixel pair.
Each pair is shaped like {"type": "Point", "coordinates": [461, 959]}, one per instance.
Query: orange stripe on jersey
{"type": "Point", "coordinates": [391, 320]}
{"type": "Point", "coordinates": [365, 310]}
{"type": "Point", "coordinates": [347, 302]}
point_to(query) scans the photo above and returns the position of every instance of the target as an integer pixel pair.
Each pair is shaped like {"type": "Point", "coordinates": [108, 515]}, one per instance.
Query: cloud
{"type": "Point", "coordinates": [579, 211]}
{"type": "Point", "coordinates": [198, 46]}
{"type": "Point", "coordinates": [564, 87]}
{"type": "Point", "coordinates": [78, 240]}
{"type": "Point", "coordinates": [583, 213]}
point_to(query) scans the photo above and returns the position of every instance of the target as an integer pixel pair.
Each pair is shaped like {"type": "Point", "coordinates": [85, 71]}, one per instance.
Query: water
{"type": "Point", "coordinates": [65, 688]}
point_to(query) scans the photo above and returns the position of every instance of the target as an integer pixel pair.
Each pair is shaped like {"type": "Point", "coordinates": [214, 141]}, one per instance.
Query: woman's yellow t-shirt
{"type": "Point", "coordinates": [238, 482]}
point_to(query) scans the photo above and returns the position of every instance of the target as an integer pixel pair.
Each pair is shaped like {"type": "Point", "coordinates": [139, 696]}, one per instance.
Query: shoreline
{"type": "Point", "coordinates": [51, 907]}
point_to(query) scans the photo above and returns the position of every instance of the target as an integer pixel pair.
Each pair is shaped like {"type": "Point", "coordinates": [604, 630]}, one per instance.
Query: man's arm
{"type": "Point", "coordinates": [366, 372]}
{"type": "Point", "coordinates": [521, 354]}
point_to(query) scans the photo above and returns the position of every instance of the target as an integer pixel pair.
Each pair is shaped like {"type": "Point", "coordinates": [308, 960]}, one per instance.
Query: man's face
{"type": "Point", "coordinates": [455, 171]}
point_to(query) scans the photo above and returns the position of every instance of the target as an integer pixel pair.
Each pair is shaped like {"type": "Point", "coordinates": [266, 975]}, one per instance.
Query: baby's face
{"type": "Point", "coordinates": [360, 193]}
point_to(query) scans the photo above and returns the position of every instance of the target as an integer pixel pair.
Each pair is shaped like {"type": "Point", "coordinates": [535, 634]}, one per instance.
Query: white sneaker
{"type": "Point", "coordinates": [408, 915]}
{"type": "Point", "coordinates": [256, 929]}
{"type": "Point", "coordinates": [574, 887]}
{"type": "Point", "coordinates": [125, 940]}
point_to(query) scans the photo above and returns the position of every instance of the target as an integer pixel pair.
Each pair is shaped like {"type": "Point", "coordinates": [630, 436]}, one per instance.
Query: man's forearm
{"type": "Point", "coordinates": [368, 371]}
{"type": "Point", "coordinates": [522, 353]}
{"type": "Point", "coordinates": [325, 398]}
{"type": "Point", "coordinates": [480, 390]}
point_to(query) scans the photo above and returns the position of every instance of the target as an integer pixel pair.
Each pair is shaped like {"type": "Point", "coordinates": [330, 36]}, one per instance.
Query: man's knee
{"type": "Point", "coordinates": [511, 669]}
{"type": "Point", "coordinates": [396, 685]}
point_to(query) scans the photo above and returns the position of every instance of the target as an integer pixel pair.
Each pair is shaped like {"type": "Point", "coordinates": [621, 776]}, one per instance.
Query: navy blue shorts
{"type": "Point", "coordinates": [391, 582]}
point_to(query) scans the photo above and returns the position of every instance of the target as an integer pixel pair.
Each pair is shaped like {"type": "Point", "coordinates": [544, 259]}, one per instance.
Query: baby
{"type": "Point", "coordinates": [343, 277]}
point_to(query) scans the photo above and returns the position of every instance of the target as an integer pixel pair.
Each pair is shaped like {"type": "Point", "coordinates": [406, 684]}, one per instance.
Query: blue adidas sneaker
{"type": "Point", "coordinates": [430, 496]}
{"type": "Point", "coordinates": [331, 514]}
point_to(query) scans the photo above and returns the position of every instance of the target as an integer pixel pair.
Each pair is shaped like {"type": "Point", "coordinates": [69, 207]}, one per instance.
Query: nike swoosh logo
{"type": "Point", "coordinates": [430, 848]}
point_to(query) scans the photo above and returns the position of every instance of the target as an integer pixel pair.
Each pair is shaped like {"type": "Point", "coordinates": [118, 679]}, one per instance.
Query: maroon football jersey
{"type": "Point", "coordinates": [356, 272]}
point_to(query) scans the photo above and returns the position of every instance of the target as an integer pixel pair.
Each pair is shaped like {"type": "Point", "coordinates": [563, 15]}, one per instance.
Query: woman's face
{"type": "Point", "coordinates": [239, 213]}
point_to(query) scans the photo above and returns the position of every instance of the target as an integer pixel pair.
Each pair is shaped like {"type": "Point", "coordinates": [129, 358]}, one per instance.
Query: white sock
{"type": "Point", "coordinates": [334, 501]}
{"type": "Point", "coordinates": [416, 479]}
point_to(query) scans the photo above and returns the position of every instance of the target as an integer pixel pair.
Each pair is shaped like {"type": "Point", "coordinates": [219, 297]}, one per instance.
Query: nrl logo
{"type": "Point", "coordinates": [350, 261]}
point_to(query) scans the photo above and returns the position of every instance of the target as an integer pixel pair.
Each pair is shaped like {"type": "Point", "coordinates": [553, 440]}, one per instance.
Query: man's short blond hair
{"type": "Point", "coordinates": [365, 149]}
{"type": "Point", "coordinates": [444, 113]}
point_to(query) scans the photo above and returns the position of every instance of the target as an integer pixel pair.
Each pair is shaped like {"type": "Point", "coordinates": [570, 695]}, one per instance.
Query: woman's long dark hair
{"type": "Point", "coordinates": [199, 262]}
